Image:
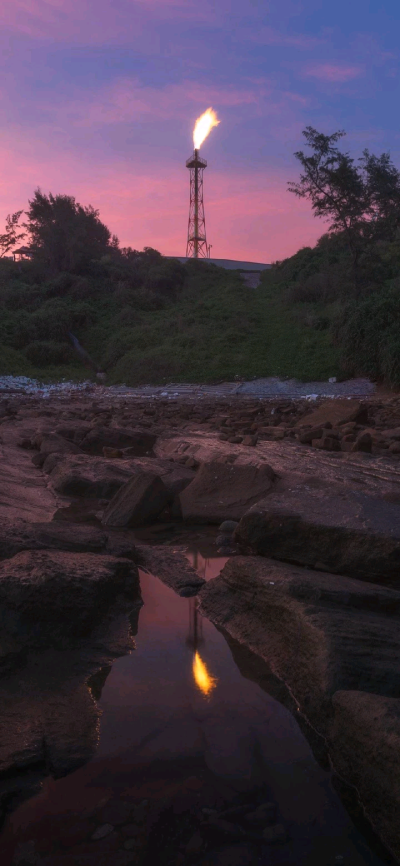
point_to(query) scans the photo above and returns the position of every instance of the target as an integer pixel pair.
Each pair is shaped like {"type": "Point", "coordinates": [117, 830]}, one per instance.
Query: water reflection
{"type": "Point", "coordinates": [203, 679]}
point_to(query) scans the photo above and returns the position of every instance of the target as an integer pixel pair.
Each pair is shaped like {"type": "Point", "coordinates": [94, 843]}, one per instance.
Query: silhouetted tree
{"type": "Point", "coordinates": [361, 201]}
{"type": "Point", "coordinates": [65, 235]}
{"type": "Point", "coordinates": [11, 235]}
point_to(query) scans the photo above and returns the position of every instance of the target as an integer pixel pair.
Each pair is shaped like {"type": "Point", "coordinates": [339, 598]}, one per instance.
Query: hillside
{"type": "Point", "coordinates": [150, 320]}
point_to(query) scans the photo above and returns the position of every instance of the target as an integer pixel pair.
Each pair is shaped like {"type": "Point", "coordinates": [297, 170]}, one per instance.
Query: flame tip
{"type": "Point", "coordinates": [203, 126]}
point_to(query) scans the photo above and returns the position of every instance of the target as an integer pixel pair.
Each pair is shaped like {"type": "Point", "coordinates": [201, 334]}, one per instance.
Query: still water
{"type": "Point", "coordinates": [177, 708]}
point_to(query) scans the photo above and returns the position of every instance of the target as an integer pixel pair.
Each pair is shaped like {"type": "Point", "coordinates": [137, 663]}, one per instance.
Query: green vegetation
{"type": "Point", "coordinates": [81, 304]}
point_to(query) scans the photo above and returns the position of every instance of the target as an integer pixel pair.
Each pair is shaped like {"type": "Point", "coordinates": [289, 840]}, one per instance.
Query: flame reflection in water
{"type": "Point", "coordinates": [203, 679]}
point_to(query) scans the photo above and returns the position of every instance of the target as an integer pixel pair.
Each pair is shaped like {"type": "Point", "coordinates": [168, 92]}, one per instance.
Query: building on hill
{"type": "Point", "coordinates": [250, 271]}
{"type": "Point", "coordinates": [22, 253]}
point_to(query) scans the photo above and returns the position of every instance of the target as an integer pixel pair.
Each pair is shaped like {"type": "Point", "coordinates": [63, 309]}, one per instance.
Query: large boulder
{"type": "Point", "coordinates": [118, 437]}
{"type": "Point", "coordinates": [47, 594]}
{"type": "Point", "coordinates": [331, 529]}
{"type": "Point", "coordinates": [139, 501]}
{"type": "Point", "coordinates": [54, 444]}
{"type": "Point", "coordinates": [319, 632]}
{"type": "Point", "coordinates": [101, 478]}
{"type": "Point", "coordinates": [364, 738]}
{"type": "Point", "coordinates": [336, 412]}
{"type": "Point", "coordinates": [15, 537]}
{"type": "Point", "coordinates": [93, 478]}
{"type": "Point", "coordinates": [222, 491]}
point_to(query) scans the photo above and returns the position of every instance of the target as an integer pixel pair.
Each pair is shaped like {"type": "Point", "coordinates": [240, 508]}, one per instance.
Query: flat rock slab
{"type": "Point", "coordinates": [336, 530]}
{"type": "Point", "coordinates": [292, 463]}
{"type": "Point", "coordinates": [222, 491]}
{"type": "Point", "coordinates": [23, 489]}
{"type": "Point", "coordinates": [319, 632]}
{"type": "Point", "coordinates": [364, 740]}
{"type": "Point", "coordinates": [171, 567]}
{"type": "Point", "coordinates": [336, 412]}
{"type": "Point", "coordinates": [46, 594]}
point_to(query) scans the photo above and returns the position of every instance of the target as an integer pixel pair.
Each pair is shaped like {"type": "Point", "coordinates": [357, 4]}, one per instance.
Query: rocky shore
{"type": "Point", "coordinates": [307, 496]}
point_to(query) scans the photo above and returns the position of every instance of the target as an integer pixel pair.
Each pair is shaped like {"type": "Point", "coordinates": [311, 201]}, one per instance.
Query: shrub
{"type": "Point", "coordinates": [43, 353]}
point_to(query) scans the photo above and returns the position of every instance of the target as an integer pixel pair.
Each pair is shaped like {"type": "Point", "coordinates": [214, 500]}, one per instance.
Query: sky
{"type": "Point", "coordinates": [98, 99]}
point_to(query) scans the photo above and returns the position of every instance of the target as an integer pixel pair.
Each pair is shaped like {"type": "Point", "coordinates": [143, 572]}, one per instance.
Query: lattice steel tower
{"type": "Point", "coordinates": [196, 242]}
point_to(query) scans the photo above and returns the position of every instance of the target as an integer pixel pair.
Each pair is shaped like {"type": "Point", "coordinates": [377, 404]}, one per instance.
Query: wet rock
{"type": "Point", "coordinates": [112, 452]}
{"type": "Point", "coordinates": [118, 437]}
{"type": "Point", "coordinates": [316, 630]}
{"type": "Point", "coordinates": [50, 594]}
{"type": "Point", "coordinates": [171, 567]}
{"type": "Point", "coordinates": [342, 530]}
{"type": "Point", "coordinates": [221, 491]}
{"type": "Point", "coordinates": [140, 500]}
{"type": "Point", "coordinates": [230, 855]}
{"type": "Point", "coordinates": [364, 738]}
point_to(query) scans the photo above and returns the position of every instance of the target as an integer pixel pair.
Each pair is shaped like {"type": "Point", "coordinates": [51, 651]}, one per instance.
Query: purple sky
{"type": "Point", "coordinates": [99, 99]}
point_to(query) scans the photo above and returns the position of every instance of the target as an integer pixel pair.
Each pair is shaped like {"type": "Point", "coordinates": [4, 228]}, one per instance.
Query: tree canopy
{"type": "Point", "coordinates": [65, 235]}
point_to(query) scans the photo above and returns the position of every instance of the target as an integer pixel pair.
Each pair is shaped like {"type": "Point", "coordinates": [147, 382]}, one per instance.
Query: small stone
{"type": "Point", "coordinates": [228, 526]}
{"type": "Point", "coordinates": [250, 440]}
{"type": "Point", "coordinates": [102, 831]}
{"type": "Point", "coordinates": [130, 844]}
{"type": "Point", "coordinates": [275, 833]}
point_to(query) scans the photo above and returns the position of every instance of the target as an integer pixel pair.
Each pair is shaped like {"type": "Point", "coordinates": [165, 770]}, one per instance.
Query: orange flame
{"type": "Point", "coordinates": [203, 126]}
{"type": "Point", "coordinates": [204, 681]}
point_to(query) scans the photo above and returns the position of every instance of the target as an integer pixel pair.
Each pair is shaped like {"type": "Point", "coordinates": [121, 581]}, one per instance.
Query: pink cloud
{"type": "Point", "coordinates": [95, 21]}
{"type": "Point", "coordinates": [334, 72]}
{"type": "Point", "coordinates": [269, 36]}
{"type": "Point", "coordinates": [127, 100]}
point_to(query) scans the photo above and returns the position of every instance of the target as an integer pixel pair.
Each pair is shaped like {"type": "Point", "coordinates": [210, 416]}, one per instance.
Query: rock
{"type": "Point", "coordinates": [394, 448]}
{"type": "Point", "coordinates": [195, 845]}
{"type": "Point", "coordinates": [112, 452]}
{"type": "Point", "coordinates": [364, 740]}
{"type": "Point", "coordinates": [171, 567]}
{"type": "Point", "coordinates": [51, 594]}
{"type": "Point", "coordinates": [73, 537]}
{"type": "Point", "coordinates": [249, 440]}
{"type": "Point", "coordinates": [229, 855]}
{"type": "Point", "coordinates": [95, 478]}
{"type": "Point", "coordinates": [53, 444]}
{"type": "Point", "coordinates": [307, 437]}
{"type": "Point", "coordinates": [276, 833]}
{"type": "Point", "coordinates": [327, 443]}
{"type": "Point", "coordinates": [349, 532]}
{"type": "Point", "coordinates": [102, 831]}
{"type": "Point", "coordinates": [363, 442]}
{"type": "Point", "coordinates": [118, 437]}
{"type": "Point", "coordinates": [225, 829]}
{"type": "Point", "coordinates": [101, 478]}
{"type": "Point", "coordinates": [314, 629]}
{"type": "Point", "coordinates": [262, 815]}
{"type": "Point", "coordinates": [336, 412]}
{"type": "Point", "coordinates": [221, 491]}
{"type": "Point", "coordinates": [116, 812]}
{"type": "Point", "coordinates": [140, 500]}
{"type": "Point", "coordinates": [228, 526]}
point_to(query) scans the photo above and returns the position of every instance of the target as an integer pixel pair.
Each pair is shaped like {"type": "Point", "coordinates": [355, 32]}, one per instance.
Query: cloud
{"type": "Point", "coordinates": [333, 72]}
{"type": "Point", "coordinates": [95, 21]}
{"type": "Point", "coordinates": [270, 36]}
{"type": "Point", "coordinates": [127, 100]}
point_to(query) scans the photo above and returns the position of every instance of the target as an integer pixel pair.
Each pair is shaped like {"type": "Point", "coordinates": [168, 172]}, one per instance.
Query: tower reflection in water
{"type": "Point", "coordinates": [204, 681]}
